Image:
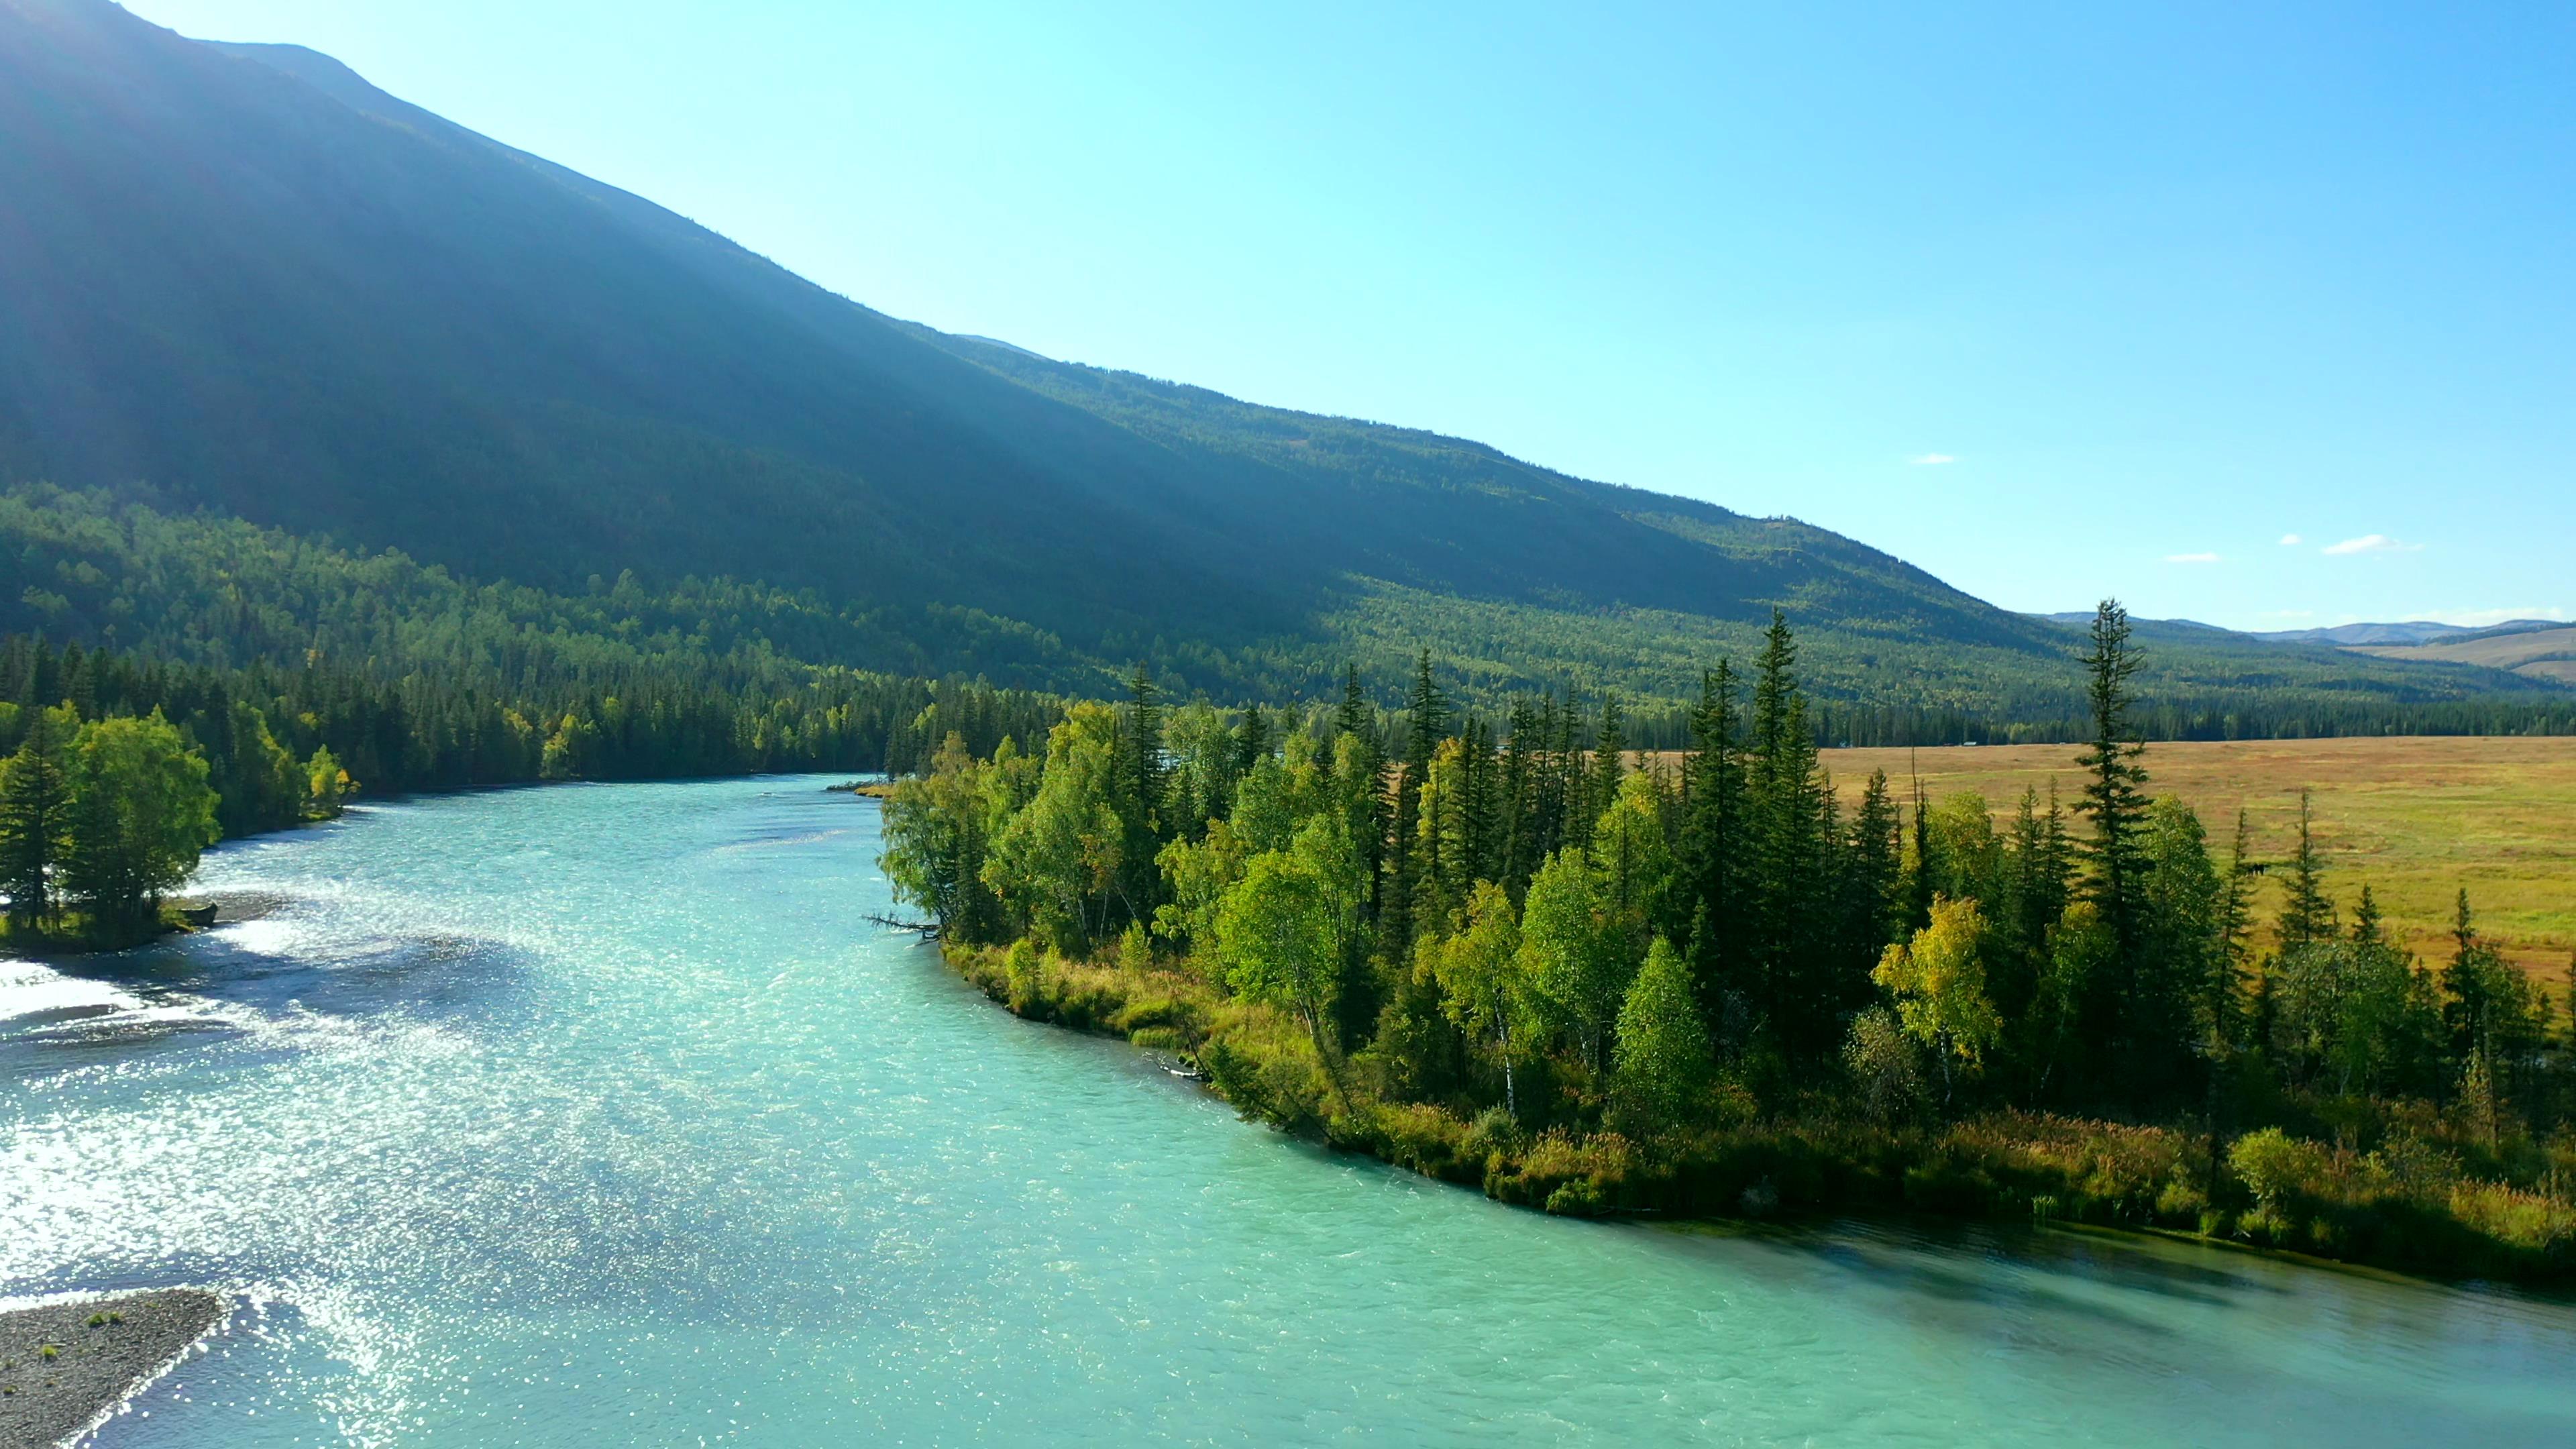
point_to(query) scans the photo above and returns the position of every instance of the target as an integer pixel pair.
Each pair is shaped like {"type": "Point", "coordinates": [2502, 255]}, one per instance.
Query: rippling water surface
{"type": "Point", "coordinates": [600, 1115]}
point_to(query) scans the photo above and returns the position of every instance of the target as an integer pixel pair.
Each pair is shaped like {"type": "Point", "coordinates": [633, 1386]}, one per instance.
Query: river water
{"type": "Point", "coordinates": [600, 1115]}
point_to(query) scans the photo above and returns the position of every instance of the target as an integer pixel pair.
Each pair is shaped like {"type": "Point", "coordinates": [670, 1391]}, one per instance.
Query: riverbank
{"type": "Point", "coordinates": [77, 935]}
{"type": "Point", "coordinates": [66, 1366]}
{"type": "Point", "coordinates": [2416, 1214]}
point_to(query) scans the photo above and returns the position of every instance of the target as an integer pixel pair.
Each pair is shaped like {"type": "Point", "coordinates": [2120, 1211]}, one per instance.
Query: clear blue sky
{"type": "Point", "coordinates": [2053, 300]}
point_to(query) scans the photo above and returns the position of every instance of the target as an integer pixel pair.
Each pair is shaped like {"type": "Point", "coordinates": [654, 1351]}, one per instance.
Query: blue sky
{"type": "Point", "coordinates": [2054, 301]}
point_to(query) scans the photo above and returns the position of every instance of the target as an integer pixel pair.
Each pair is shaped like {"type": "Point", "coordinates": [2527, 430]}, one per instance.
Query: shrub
{"type": "Point", "coordinates": [2276, 1167]}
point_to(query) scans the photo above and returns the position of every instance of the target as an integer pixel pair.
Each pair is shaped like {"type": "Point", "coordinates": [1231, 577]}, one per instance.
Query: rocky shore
{"type": "Point", "coordinates": [64, 1366]}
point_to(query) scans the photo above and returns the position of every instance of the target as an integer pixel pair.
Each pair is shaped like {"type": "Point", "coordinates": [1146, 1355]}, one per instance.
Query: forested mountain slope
{"type": "Point", "coordinates": [244, 282]}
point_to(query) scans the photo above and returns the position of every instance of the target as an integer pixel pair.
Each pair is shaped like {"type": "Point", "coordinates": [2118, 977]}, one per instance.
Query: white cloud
{"type": "Point", "coordinates": [2480, 618]}
{"type": "Point", "coordinates": [2372, 543]}
{"type": "Point", "coordinates": [2291, 540]}
{"type": "Point", "coordinates": [1931, 460]}
{"type": "Point", "coordinates": [2191, 558]}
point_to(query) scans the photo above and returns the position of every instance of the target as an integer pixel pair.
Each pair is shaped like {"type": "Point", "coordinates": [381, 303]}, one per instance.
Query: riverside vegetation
{"type": "Point", "coordinates": [1500, 958]}
{"type": "Point", "coordinates": [120, 769]}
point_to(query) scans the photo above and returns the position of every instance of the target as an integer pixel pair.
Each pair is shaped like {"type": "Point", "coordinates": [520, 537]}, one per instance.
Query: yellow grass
{"type": "Point", "coordinates": [2415, 818]}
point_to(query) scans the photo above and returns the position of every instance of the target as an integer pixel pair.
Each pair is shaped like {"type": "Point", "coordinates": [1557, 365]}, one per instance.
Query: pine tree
{"type": "Point", "coordinates": [1712, 837]}
{"type": "Point", "coordinates": [2307, 916]}
{"type": "Point", "coordinates": [1875, 870]}
{"type": "Point", "coordinates": [35, 817]}
{"type": "Point", "coordinates": [2222, 1008]}
{"type": "Point", "coordinates": [1426, 725]}
{"type": "Point", "coordinates": [2114, 798]}
{"type": "Point", "coordinates": [1517, 822]}
{"type": "Point", "coordinates": [2366, 929]}
{"type": "Point", "coordinates": [1356, 720]}
{"type": "Point", "coordinates": [1609, 753]}
{"type": "Point", "coordinates": [1788, 968]}
{"type": "Point", "coordinates": [1252, 740]}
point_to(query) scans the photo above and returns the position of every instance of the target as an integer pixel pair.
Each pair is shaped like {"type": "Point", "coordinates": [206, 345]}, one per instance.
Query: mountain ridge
{"type": "Point", "coordinates": [261, 287]}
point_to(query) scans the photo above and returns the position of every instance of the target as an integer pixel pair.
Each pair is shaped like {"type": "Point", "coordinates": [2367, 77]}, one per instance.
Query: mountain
{"type": "Point", "coordinates": [243, 283]}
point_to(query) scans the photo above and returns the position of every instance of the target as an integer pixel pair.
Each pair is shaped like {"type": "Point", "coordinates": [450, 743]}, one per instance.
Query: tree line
{"type": "Point", "coordinates": [1476, 915]}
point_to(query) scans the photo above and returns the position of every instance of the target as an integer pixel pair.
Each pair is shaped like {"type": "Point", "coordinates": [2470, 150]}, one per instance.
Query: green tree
{"type": "Point", "coordinates": [1196, 876]}
{"type": "Point", "coordinates": [2307, 915]}
{"type": "Point", "coordinates": [1939, 982]}
{"type": "Point", "coordinates": [1484, 981]}
{"type": "Point", "coordinates": [1663, 1054]}
{"type": "Point", "coordinates": [2177, 954]}
{"type": "Point", "coordinates": [35, 815]}
{"type": "Point", "coordinates": [937, 830]}
{"type": "Point", "coordinates": [1057, 861]}
{"type": "Point", "coordinates": [1635, 862]}
{"type": "Point", "coordinates": [2114, 797]}
{"type": "Point", "coordinates": [1282, 930]}
{"type": "Point", "coordinates": [327, 786]}
{"type": "Point", "coordinates": [1574, 953]}
{"type": "Point", "coordinates": [1784, 811]}
{"type": "Point", "coordinates": [1713, 826]}
{"type": "Point", "coordinates": [141, 813]}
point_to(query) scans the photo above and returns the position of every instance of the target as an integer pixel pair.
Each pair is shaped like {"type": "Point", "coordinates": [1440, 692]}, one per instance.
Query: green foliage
{"type": "Point", "coordinates": [1939, 982]}
{"type": "Point", "coordinates": [1056, 860]}
{"type": "Point", "coordinates": [140, 813]}
{"type": "Point", "coordinates": [1575, 960]}
{"type": "Point", "coordinates": [35, 814]}
{"type": "Point", "coordinates": [1484, 980]}
{"type": "Point", "coordinates": [1281, 931]}
{"type": "Point", "coordinates": [1663, 1057]}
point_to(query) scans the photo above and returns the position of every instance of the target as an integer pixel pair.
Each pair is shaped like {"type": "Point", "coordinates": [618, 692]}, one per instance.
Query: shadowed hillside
{"type": "Point", "coordinates": [246, 282]}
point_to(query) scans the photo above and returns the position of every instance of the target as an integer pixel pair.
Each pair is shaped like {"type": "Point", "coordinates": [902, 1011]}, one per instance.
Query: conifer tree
{"type": "Point", "coordinates": [2307, 916]}
{"type": "Point", "coordinates": [1517, 825]}
{"type": "Point", "coordinates": [1426, 725]}
{"type": "Point", "coordinates": [1712, 841]}
{"type": "Point", "coordinates": [1875, 870]}
{"type": "Point", "coordinates": [1363, 766]}
{"type": "Point", "coordinates": [1783, 813]}
{"type": "Point", "coordinates": [35, 810]}
{"type": "Point", "coordinates": [1609, 753]}
{"type": "Point", "coordinates": [2114, 797]}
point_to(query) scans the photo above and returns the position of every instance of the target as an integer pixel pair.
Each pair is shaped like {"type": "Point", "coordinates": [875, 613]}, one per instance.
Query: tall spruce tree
{"type": "Point", "coordinates": [2307, 915]}
{"type": "Point", "coordinates": [1426, 725]}
{"type": "Point", "coordinates": [1609, 753]}
{"type": "Point", "coordinates": [1712, 838]}
{"type": "Point", "coordinates": [1784, 813]}
{"type": "Point", "coordinates": [35, 817]}
{"type": "Point", "coordinates": [1355, 719]}
{"type": "Point", "coordinates": [2112, 1016]}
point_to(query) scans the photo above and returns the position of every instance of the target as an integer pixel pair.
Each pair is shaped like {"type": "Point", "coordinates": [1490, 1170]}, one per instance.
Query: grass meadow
{"type": "Point", "coordinates": [2414, 818]}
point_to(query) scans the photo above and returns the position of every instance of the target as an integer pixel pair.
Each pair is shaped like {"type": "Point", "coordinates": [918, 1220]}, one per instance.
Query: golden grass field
{"type": "Point", "coordinates": [2414, 818]}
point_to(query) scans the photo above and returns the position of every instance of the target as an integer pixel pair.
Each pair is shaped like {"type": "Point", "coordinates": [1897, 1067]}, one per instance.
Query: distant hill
{"type": "Point", "coordinates": [2419, 632]}
{"type": "Point", "coordinates": [244, 282]}
{"type": "Point", "coordinates": [2547, 651]}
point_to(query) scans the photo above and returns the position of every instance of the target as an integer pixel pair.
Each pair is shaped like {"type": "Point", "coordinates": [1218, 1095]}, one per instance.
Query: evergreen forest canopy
{"type": "Point", "coordinates": [248, 287]}
{"type": "Point", "coordinates": [1500, 956]}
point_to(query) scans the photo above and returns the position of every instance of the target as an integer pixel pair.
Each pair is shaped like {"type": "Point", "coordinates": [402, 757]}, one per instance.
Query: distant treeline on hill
{"type": "Point", "coordinates": [426, 731]}
{"type": "Point", "coordinates": [205, 590]}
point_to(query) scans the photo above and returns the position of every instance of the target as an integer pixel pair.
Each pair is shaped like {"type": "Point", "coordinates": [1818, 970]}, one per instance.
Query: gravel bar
{"type": "Point", "coordinates": [101, 1351]}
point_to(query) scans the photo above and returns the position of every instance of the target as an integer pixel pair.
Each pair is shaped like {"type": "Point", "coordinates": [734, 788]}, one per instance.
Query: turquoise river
{"type": "Point", "coordinates": [601, 1115]}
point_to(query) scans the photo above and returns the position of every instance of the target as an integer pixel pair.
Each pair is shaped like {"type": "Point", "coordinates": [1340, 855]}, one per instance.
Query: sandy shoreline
{"type": "Point", "coordinates": [102, 1351]}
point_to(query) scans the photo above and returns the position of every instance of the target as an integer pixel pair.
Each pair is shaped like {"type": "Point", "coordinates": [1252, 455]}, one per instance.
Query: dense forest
{"type": "Point", "coordinates": [1486, 950]}
{"type": "Point", "coordinates": [208, 590]}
